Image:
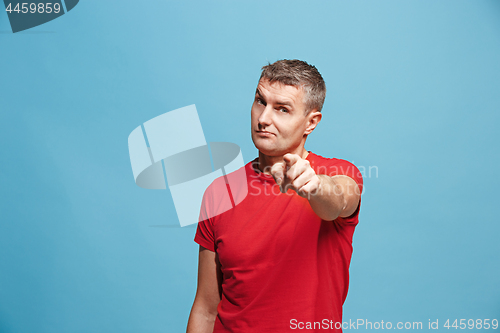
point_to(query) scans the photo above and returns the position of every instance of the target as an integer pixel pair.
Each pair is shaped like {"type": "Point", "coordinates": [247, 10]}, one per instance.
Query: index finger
{"type": "Point", "coordinates": [291, 159]}
{"type": "Point", "coordinates": [278, 172]}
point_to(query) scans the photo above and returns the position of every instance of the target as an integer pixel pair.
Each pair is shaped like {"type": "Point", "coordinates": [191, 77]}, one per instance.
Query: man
{"type": "Point", "coordinates": [278, 261]}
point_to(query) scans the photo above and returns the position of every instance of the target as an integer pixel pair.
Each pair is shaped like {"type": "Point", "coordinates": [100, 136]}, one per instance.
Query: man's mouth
{"type": "Point", "coordinates": [264, 133]}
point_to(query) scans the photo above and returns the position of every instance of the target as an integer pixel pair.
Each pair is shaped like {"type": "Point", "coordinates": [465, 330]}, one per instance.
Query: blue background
{"type": "Point", "coordinates": [413, 90]}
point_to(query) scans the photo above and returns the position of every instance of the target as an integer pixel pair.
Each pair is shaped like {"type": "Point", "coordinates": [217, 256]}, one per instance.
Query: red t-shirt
{"type": "Point", "coordinates": [283, 267]}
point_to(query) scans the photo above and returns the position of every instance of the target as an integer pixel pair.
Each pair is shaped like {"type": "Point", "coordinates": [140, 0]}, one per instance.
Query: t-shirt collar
{"type": "Point", "coordinates": [255, 172]}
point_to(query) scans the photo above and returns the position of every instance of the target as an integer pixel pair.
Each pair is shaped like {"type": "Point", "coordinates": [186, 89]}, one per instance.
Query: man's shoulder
{"type": "Point", "coordinates": [233, 183]}
{"type": "Point", "coordinates": [334, 166]}
{"type": "Point", "coordinates": [322, 160]}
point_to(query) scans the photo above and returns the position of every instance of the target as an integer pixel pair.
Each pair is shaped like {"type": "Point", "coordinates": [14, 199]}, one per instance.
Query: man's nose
{"type": "Point", "coordinates": [265, 116]}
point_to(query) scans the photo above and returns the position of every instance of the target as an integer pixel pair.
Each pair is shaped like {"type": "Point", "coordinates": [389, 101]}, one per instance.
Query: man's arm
{"type": "Point", "coordinates": [336, 196]}
{"type": "Point", "coordinates": [329, 197]}
{"type": "Point", "coordinates": [208, 293]}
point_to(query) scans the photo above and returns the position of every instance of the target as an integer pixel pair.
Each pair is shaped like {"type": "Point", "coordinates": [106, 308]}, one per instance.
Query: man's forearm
{"type": "Point", "coordinates": [200, 321]}
{"type": "Point", "coordinates": [328, 202]}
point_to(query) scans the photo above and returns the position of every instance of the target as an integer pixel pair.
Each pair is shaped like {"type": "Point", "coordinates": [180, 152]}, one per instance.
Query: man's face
{"type": "Point", "coordinates": [279, 120]}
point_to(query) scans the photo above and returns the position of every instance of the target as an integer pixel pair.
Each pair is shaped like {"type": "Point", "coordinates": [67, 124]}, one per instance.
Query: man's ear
{"type": "Point", "coordinates": [313, 119]}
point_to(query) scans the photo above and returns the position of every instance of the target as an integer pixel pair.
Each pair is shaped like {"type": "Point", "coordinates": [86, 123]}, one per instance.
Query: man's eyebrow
{"type": "Point", "coordinates": [284, 103]}
{"type": "Point", "coordinates": [257, 92]}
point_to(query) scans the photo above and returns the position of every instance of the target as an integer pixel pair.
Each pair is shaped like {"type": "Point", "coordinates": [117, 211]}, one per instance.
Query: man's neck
{"type": "Point", "coordinates": [266, 162]}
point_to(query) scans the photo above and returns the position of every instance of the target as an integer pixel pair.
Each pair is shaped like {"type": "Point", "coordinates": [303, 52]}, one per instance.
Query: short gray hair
{"type": "Point", "coordinates": [298, 73]}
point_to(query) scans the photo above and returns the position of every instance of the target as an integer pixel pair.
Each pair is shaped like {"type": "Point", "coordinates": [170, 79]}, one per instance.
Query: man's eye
{"type": "Point", "coordinates": [259, 101]}
{"type": "Point", "coordinates": [284, 110]}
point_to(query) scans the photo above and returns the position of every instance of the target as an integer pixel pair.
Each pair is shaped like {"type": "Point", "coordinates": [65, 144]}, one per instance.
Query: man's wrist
{"type": "Point", "coordinates": [329, 194]}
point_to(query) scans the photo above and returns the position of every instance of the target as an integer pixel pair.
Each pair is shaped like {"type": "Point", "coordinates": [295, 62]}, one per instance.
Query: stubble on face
{"type": "Point", "coordinates": [278, 119]}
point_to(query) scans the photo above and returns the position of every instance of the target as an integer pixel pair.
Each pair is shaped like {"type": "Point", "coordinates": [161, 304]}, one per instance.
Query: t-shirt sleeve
{"type": "Point", "coordinates": [343, 167]}
{"type": "Point", "coordinates": [205, 230]}
{"type": "Point", "coordinates": [204, 235]}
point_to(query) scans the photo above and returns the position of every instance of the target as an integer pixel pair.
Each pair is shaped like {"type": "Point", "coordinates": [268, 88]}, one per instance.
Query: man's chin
{"type": "Point", "coordinates": [269, 151]}
{"type": "Point", "coordinates": [266, 148]}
